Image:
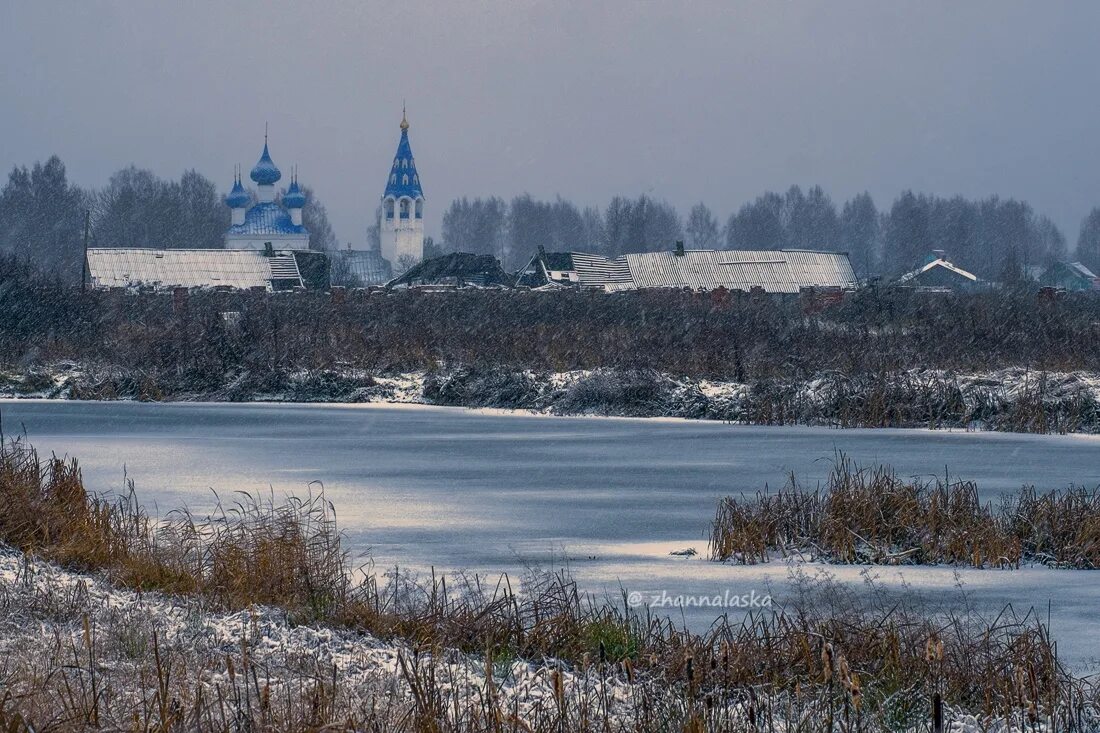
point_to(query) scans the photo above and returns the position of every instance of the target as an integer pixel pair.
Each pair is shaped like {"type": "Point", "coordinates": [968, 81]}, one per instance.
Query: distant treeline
{"type": "Point", "coordinates": [999, 239]}
{"type": "Point", "coordinates": [734, 337]}
{"type": "Point", "coordinates": [42, 220]}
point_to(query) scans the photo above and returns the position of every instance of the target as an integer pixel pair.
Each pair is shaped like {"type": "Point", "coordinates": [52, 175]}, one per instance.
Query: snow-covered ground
{"type": "Point", "coordinates": [50, 617]}
{"type": "Point", "coordinates": [74, 637]}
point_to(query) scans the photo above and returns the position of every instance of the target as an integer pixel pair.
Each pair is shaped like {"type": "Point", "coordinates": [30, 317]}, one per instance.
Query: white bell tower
{"type": "Point", "coordinates": [402, 222]}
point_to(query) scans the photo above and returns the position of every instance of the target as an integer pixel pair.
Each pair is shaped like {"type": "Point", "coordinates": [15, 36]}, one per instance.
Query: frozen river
{"type": "Point", "coordinates": [493, 492]}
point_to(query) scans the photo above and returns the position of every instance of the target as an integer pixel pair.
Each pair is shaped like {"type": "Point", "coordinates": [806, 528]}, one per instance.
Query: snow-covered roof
{"type": "Point", "coordinates": [264, 219]}
{"type": "Point", "coordinates": [594, 271]}
{"type": "Point", "coordinates": [190, 268]}
{"type": "Point", "coordinates": [1081, 270]}
{"type": "Point", "coordinates": [775, 271]}
{"type": "Point", "coordinates": [403, 180]}
{"type": "Point", "coordinates": [938, 262]}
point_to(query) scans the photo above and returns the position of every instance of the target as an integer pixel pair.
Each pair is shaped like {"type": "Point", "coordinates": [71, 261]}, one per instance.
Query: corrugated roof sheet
{"type": "Point", "coordinates": [776, 271]}
{"type": "Point", "coordinates": [595, 271]}
{"type": "Point", "coordinates": [368, 266]}
{"type": "Point", "coordinates": [188, 268]}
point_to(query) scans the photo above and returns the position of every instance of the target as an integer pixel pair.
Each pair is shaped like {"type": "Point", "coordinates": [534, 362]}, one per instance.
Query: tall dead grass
{"type": "Point", "coordinates": [871, 515]}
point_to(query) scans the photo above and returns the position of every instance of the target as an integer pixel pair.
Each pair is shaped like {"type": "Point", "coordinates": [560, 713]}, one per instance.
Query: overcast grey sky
{"type": "Point", "coordinates": [684, 101]}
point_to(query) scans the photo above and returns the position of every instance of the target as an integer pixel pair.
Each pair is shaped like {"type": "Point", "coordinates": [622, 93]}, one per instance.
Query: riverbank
{"type": "Point", "coordinates": [1011, 400]}
{"type": "Point", "coordinates": [249, 618]}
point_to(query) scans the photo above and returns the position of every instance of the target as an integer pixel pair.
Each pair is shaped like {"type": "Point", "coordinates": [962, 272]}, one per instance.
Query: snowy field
{"type": "Point", "coordinates": [492, 493]}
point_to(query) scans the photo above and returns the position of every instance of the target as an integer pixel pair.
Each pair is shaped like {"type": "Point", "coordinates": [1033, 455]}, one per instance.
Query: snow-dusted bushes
{"type": "Point", "coordinates": [631, 393]}
{"type": "Point", "coordinates": [483, 387]}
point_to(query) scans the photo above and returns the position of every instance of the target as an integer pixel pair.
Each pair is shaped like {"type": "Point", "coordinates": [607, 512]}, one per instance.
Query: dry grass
{"type": "Point", "coordinates": [828, 661]}
{"type": "Point", "coordinates": [873, 516]}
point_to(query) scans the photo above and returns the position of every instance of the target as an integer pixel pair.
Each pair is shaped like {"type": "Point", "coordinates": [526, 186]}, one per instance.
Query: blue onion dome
{"type": "Point", "coordinates": [265, 171]}
{"type": "Point", "coordinates": [238, 198]}
{"type": "Point", "coordinates": [294, 198]}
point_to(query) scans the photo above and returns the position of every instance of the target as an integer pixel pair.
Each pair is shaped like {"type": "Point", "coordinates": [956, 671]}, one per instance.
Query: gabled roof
{"type": "Point", "coordinates": [190, 268]}
{"type": "Point", "coordinates": [264, 219]}
{"type": "Point", "coordinates": [938, 262]}
{"type": "Point", "coordinates": [535, 274]}
{"type": "Point", "coordinates": [1081, 270]}
{"type": "Point", "coordinates": [455, 269]}
{"type": "Point", "coordinates": [558, 261]}
{"type": "Point", "coordinates": [403, 179]}
{"type": "Point", "coordinates": [775, 271]}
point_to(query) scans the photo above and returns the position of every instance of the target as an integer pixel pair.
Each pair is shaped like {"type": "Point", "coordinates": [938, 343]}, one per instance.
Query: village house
{"type": "Point", "coordinates": [1072, 276]}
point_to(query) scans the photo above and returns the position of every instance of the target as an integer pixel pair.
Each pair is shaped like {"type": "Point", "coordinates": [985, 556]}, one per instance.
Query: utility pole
{"type": "Point", "coordinates": [84, 262]}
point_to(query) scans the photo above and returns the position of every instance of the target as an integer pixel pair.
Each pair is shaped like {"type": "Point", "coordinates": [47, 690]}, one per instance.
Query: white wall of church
{"type": "Point", "coordinates": [278, 241]}
{"type": "Point", "coordinates": [402, 238]}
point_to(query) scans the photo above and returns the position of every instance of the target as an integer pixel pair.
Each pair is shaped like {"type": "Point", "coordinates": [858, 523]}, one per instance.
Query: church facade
{"type": "Point", "coordinates": [266, 224]}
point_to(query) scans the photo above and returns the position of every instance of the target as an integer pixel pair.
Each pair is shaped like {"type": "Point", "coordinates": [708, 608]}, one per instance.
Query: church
{"type": "Point", "coordinates": [266, 224]}
{"type": "Point", "coordinates": [267, 243]}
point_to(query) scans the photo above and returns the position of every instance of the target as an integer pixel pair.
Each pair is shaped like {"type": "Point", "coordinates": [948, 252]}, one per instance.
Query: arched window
{"type": "Point", "coordinates": [396, 161]}
{"type": "Point", "coordinates": [389, 208]}
{"type": "Point", "coordinates": [393, 178]}
{"type": "Point", "coordinates": [416, 179]}
{"type": "Point", "coordinates": [404, 208]}
{"type": "Point", "coordinates": [405, 180]}
{"type": "Point", "coordinates": [405, 163]}
{"type": "Point", "coordinates": [420, 208]}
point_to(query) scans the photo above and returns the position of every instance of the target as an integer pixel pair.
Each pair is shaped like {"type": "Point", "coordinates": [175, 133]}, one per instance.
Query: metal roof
{"type": "Point", "coordinates": [266, 219]}
{"type": "Point", "coordinates": [776, 271]}
{"type": "Point", "coordinates": [938, 262]}
{"type": "Point", "coordinates": [189, 268]}
{"type": "Point", "coordinates": [368, 266]}
{"type": "Point", "coordinates": [595, 271]}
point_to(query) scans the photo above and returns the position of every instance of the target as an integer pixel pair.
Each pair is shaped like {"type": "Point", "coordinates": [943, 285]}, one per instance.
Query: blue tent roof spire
{"type": "Point", "coordinates": [403, 180]}
{"type": "Point", "coordinates": [265, 172]}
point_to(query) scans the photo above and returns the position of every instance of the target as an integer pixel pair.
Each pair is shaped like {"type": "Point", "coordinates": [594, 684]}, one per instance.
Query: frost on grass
{"type": "Point", "coordinates": [76, 652]}
{"type": "Point", "coordinates": [73, 645]}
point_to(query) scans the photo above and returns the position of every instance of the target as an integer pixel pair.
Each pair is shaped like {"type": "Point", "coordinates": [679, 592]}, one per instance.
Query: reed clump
{"type": "Point", "coordinates": [873, 516]}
